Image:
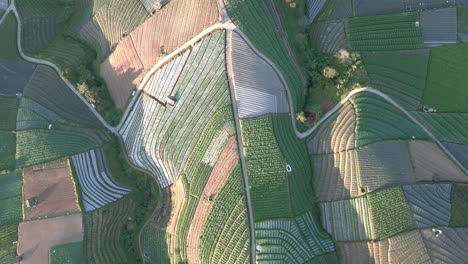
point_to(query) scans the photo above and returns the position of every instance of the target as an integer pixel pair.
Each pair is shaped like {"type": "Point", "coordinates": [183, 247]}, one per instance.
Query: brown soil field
{"type": "Point", "coordinates": [432, 164]}
{"type": "Point", "coordinates": [223, 167]}
{"type": "Point", "coordinates": [175, 24]}
{"type": "Point", "coordinates": [37, 236]}
{"type": "Point", "coordinates": [364, 252]}
{"type": "Point", "coordinates": [54, 190]}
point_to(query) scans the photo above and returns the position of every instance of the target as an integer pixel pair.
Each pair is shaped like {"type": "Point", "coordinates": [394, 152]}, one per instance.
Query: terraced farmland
{"type": "Point", "coordinates": [439, 27]}
{"type": "Point", "coordinates": [329, 36]}
{"type": "Point", "coordinates": [164, 32]}
{"type": "Point", "coordinates": [375, 119]}
{"type": "Point", "coordinates": [8, 150]}
{"type": "Point", "coordinates": [202, 89]}
{"type": "Point", "coordinates": [399, 74]}
{"type": "Point", "coordinates": [225, 234]}
{"type": "Point", "coordinates": [347, 219]}
{"type": "Point", "coordinates": [294, 241]}
{"type": "Point", "coordinates": [408, 247]}
{"type": "Point", "coordinates": [459, 199]}
{"type": "Point", "coordinates": [11, 209]}
{"type": "Point", "coordinates": [386, 32]}
{"type": "Point", "coordinates": [450, 247]}
{"type": "Point", "coordinates": [389, 213]}
{"type": "Point", "coordinates": [96, 184]}
{"type": "Point", "coordinates": [154, 243]}
{"type": "Point", "coordinates": [384, 164]}
{"type": "Point", "coordinates": [8, 235]}
{"type": "Point", "coordinates": [68, 253]}
{"type": "Point", "coordinates": [266, 168]}
{"type": "Point", "coordinates": [259, 89]}
{"type": "Point", "coordinates": [429, 203]}
{"type": "Point", "coordinates": [460, 152]}
{"type": "Point", "coordinates": [254, 19]}
{"type": "Point", "coordinates": [313, 9]}
{"type": "Point", "coordinates": [364, 252]}
{"type": "Point", "coordinates": [103, 229]}
{"type": "Point", "coordinates": [451, 127]}
{"type": "Point", "coordinates": [14, 76]}
{"type": "Point", "coordinates": [336, 176]}
{"type": "Point", "coordinates": [382, 7]}
{"type": "Point", "coordinates": [336, 134]}
{"type": "Point", "coordinates": [8, 32]}
{"type": "Point", "coordinates": [8, 112]}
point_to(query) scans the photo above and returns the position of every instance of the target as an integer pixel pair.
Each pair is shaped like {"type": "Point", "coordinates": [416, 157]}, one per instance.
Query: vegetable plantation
{"type": "Point", "coordinates": [66, 254]}
{"type": "Point", "coordinates": [389, 213]}
{"type": "Point", "coordinates": [408, 247]}
{"type": "Point", "coordinates": [459, 202]}
{"type": "Point", "coordinates": [329, 36]}
{"type": "Point", "coordinates": [8, 112]}
{"type": "Point", "coordinates": [451, 127]}
{"type": "Point", "coordinates": [156, 135]}
{"type": "Point", "coordinates": [386, 32]}
{"type": "Point", "coordinates": [154, 243]}
{"type": "Point", "coordinates": [376, 119]}
{"type": "Point", "coordinates": [14, 75]}
{"type": "Point", "coordinates": [8, 29]}
{"type": "Point", "coordinates": [399, 74]}
{"type": "Point", "coordinates": [11, 197]}
{"type": "Point", "coordinates": [8, 150]}
{"type": "Point", "coordinates": [254, 18]}
{"type": "Point", "coordinates": [8, 235]}
{"type": "Point", "coordinates": [460, 152]}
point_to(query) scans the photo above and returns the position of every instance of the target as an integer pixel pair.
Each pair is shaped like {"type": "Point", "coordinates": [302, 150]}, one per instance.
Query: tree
{"type": "Point", "coordinates": [329, 72]}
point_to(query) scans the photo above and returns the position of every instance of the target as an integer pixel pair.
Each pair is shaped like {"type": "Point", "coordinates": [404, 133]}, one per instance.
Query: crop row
{"type": "Point", "coordinates": [266, 168]}
{"type": "Point", "coordinates": [68, 253]}
{"type": "Point", "coordinates": [8, 150]}
{"type": "Point", "coordinates": [103, 229]}
{"type": "Point", "coordinates": [369, 21]}
{"type": "Point", "coordinates": [448, 248]}
{"type": "Point", "coordinates": [329, 37]}
{"type": "Point", "coordinates": [376, 119]}
{"type": "Point", "coordinates": [8, 235]}
{"type": "Point", "coordinates": [450, 127]}
{"type": "Point", "coordinates": [11, 197]}
{"type": "Point", "coordinates": [201, 92]}
{"type": "Point", "coordinates": [255, 19]}
{"type": "Point", "coordinates": [97, 186]}
{"type": "Point", "coordinates": [8, 112]}
{"type": "Point", "coordinates": [155, 244]}
{"type": "Point", "coordinates": [32, 115]}
{"type": "Point", "coordinates": [225, 232]}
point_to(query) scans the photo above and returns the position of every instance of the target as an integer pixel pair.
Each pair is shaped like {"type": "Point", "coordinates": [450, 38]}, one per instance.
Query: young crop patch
{"type": "Point", "coordinates": [68, 253]}
{"type": "Point", "coordinates": [389, 213]}
{"type": "Point", "coordinates": [447, 80]}
{"type": "Point", "coordinates": [376, 119]}
{"type": "Point", "coordinates": [11, 209]}
{"type": "Point", "coordinates": [381, 7]}
{"type": "Point", "coordinates": [399, 74]}
{"type": "Point", "coordinates": [386, 32]}
{"type": "Point", "coordinates": [266, 168]}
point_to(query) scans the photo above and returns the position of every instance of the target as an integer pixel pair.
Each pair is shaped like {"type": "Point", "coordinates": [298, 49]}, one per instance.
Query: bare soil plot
{"type": "Point", "coordinates": [54, 190]}
{"type": "Point", "coordinates": [449, 248]}
{"type": "Point", "coordinates": [432, 164]}
{"type": "Point", "coordinates": [168, 29]}
{"type": "Point", "coordinates": [222, 169]}
{"type": "Point", "coordinates": [36, 237]}
{"type": "Point", "coordinates": [364, 252]}
{"type": "Point", "coordinates": [407, 247]}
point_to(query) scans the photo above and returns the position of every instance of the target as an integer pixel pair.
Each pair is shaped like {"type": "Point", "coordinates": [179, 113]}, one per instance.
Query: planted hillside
{"type": "Point", "coordinates": [376, 119]}
{"type": "Point", "coordinates": [399, 74]}
{"type": "Point", "coordinates": [386, 32]}
{"type": "Point", "coordinates": [459, 202]}
{"type": "Point", "coordinates": [451, 127]}
{"type": "Point", "coordinates": [15, 75]}
{"type": "Point", "coordinates": [11, 209]}
{"type": "Point", "coordinates": [68, 253]}
{"type": "Point", "coordinates": [8, 235]}
{"type": "Point", "coordinates": [8, 49]}
{"type": "Point", "coordinates": [255, 19]}
{"type": "Point", "coordinates": [8, 150]}
{"type": "Point", "coordinates": [8, 112]}
{"type": "Point", "coordinates": [266, 168]}
{"type": "Point", "coordinates": [155, 244]}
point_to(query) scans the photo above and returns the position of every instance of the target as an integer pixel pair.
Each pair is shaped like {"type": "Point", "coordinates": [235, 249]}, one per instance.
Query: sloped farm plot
{"type": "Point", "coordinates": [459, 199]}
{"type": "Point", "coordinates": [380, 7]}
{"type": "Point", "coordinates": [429, 203]}
{"type": "Point", "coordinates": [11, 210]}
{"type": "Point", "coordinates": [336, 10]}
{"type": "Point", "coordinates": [154, 132]}
{"type": "Point", "coordinates": [97, 186]}
{"type": "Point", "coordinates": [407, 247]}
{"type": "Point", "coordinates": [450, 247]}
{"type": "Point", "coordinates": [313, 8]}
{"type": "Point", "coordinates": [8, 150]}
{"type": "Point", "coordinates": [14, 75]}
{"type": "Point", "coordinates": [53, 189]}
{"type": "Point", "coordinates": [347, 219]}
{"type": "Point", "coordinates": [459, 151]}
{"type": "Point", "coordinates": [257, 86]}
{"type": "Point", "coordinates": [432, 164]}
{"type": "Point", "coordinates": [293, 241]}
{"type": "Point", "coordinates": [451, 127]}
{"type": "Point", "coordinates": [329, 36]}
{"type": "Point", "coordinates": [439, 27]}
{"type": "Point", "coordinates": [164, 32]}
{"type": "Point", "coordinates": [384, 164]}
{"type": "Point", "coordinates": [364, 252]}
{"type": "Point", "coordinates": [8, 235]}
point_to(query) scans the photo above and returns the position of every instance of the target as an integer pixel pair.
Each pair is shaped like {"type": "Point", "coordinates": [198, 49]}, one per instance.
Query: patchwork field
{"type": "Point", "coordinates": [386, 32]}
{"type": "Point", "coordinates": [329, 36]}
{"type": "Point", "coordinates": [165, 31]}
{"type": "Point", "coordinates": [451, 127]}
{"type": "Point", "coordinates": [54, 191]}
{"type": "Point", "coordinates": [259, 89]}
{"type": "Point", "coordinates": [445, 84]}
{"type": "Point", "coordinates": [103, 229]}
{"type": "Point", "coordinates": [399, 74]}
{"type": "Point", "coordinates": [36, 237]}
{"type": "Point", "coordinates": [408, 247]}
{"type": "Point", "coordinates": [143, 132]}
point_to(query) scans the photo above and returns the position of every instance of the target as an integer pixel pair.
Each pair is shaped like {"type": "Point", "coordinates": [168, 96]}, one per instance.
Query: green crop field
{"type": "Point", "coordinates": [376, 119]}
{"type": "Point", "coordinates": [296, 154]}
{"type": "Point", "coordinates": [8, 112]}
{"type": "Point", "coordinates": [66, 254]}
{"type": "Point", "coordinates": [226, 233]}
{"type": "Point", "coordinates": [154, 242]}
{"type": "Point", "coordinates": [447, 79]}
{"type": "Point", "coordinates": [254, 18]}
{"type": "Point", "coordinates": [8, 49]}
{"type": "Point", "coordinates": [8, 150]}
{"type": "Point", "coordinates": [451, 127]}
{"type": "Point", "coordinates": [266, 168]}
{"type": "Point", "coordinates": [459, 200]}
{"type": "Point", "coordinates": [399, 74]}
{"type": "Point", "coordinates": [8, 235]}
{"type": "Point", "coordinates": [11, 198]}
{"type": "Point", "coordinates": [327, 258]}
{"type": "Point", "coordinates": [389, 212]}
{"type": "Point", "coordinates": [462, 19]}
{"type": "Point", "coordinates": [386, 32]}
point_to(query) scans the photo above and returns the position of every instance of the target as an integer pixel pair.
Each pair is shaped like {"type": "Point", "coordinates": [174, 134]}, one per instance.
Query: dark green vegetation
{"type": "Point", "coordinates": [8, 235]}
{"type": "Point", "coordinates": [256, 20]}
{"type": "Point", "coordinates": [11, 209]}
{"type": "Point", "coordinates": [459, 200]}
{"type": "Point", "coordinates": [447, 79]}
{"type": "Point", "coordinates": [266, 168]}
{"type": "Point", "coordinates": [399, 74]}
{"type": "Point", "coordinates": [390, 213]}
{"type": "Point", "coordinates": [155, 244]}
{"type": "Point", "coordinates": [8, 150]}
{"type": "Point", "coordinates": [66, 254]}
{"type": "Point", "coordinates": [142, 198]}
{"type": "Point", "coordinates": [462, 19]}
{"type": "Point", "coordinates": [376, 119]}
{"type": "Point", "coordinates": [451, 127]}
{"type": "Point", "coordinates": [8, 44]}
{"type": "Point", "coordinates": [45, 35]}
{"type": "Point", "coordinates": [327, 258]}
{"type": "Point", "coordinates": [225, 232]}
{"type": "Point", "coordinates": [386, 32]}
